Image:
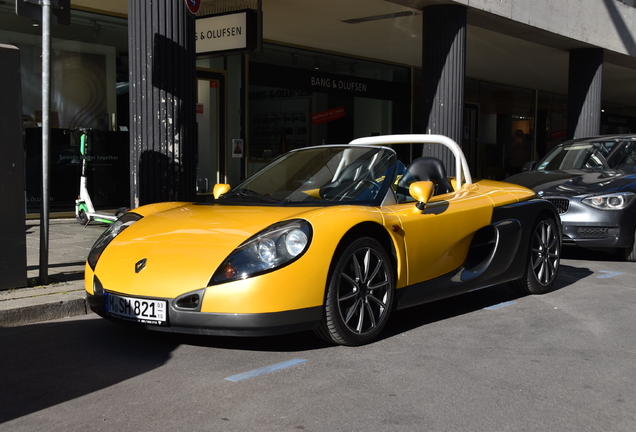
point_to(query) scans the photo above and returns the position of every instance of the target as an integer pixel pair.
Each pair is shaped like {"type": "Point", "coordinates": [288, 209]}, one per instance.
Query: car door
{"type": "Point", "coordinates": [436, 239]}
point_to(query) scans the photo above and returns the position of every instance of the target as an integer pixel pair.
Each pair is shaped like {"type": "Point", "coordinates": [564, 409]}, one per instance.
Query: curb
{"type": "Point", "coordinates": [31, 305]}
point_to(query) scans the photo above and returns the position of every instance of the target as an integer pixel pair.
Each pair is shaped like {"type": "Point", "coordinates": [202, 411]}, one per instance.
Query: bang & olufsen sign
{"type": "Point", "coordinates": [228, 32]}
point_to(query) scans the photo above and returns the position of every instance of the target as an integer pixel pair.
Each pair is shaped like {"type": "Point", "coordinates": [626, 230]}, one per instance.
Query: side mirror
{"type": "Point", "coordinates": [422, 191]}
{"type": "Point", "coordinates": [220, 189]}
{"type": "Point", "coordinates": [529, 166]}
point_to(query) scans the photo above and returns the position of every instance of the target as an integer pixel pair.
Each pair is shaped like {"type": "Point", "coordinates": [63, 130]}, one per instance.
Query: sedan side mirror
{"type": "Point", "coordinates": [529, 166]}
{"type": "Point", "coordinates": [422, 191]}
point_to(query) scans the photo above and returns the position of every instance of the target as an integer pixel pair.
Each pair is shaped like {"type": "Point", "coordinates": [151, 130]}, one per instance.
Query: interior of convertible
{"type": "Point", "coordinates": [357, 172]}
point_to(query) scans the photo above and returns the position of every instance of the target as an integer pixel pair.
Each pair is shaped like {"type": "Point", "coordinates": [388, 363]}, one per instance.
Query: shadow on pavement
{"type": "Point", "coordinates": [69, 264]}
{"type": "Point", "coordinates": [45, 364]}
{"type": "Point", "coordinates": [417, 316]}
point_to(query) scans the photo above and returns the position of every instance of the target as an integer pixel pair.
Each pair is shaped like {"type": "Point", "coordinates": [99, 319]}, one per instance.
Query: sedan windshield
{"type": "Point", "coordinates": [591, 155]}
{"type": "Point", "coordinates": [320, 175]}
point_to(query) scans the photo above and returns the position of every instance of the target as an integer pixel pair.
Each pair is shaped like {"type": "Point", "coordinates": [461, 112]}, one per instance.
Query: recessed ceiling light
{"type": "Point", "coordinates": [379, 17]}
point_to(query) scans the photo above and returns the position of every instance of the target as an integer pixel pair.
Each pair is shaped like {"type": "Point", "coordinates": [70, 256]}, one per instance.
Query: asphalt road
{"type": "Point", "coordinates": [486, 361]}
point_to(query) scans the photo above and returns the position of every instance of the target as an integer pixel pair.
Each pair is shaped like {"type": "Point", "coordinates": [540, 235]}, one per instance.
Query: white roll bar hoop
{"type": "Point", "coordinates": [461, 166]}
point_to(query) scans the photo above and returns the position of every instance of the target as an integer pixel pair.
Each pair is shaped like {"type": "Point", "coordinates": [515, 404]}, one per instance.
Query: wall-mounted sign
{"type": "Point", "coordinates": [329, 115]}
{"type": "Point", "coordinates": [229, 32]}
{"type": "Point", "coordinates": [237, 148]}
{"type": "Point", "coordinates": [292, 82]}
{"type": "Point", "coordinates": [193, 5]}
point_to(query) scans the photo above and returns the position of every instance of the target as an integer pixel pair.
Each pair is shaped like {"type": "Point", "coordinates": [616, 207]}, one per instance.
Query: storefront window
{"type": "Point", "coordinates": [551, 122]}
{"type": "Point", "coordinates": [87, 57]}
{"type": "Point", "coordinates": [299, 98]}
{"type": "Point", "coordinates": [506, 129]}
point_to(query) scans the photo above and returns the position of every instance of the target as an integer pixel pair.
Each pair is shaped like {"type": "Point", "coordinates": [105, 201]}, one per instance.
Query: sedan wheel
{"type": "Point", "coordinates": [630, 252]}
{"type": "Point", "coordinates": [543, 259]}
{"type": "Point", "coordinates": [359, 295]}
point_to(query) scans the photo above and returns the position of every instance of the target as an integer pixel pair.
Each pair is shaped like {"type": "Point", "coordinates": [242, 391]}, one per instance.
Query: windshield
{"type": "Point", "coordinates": [591, 155]}
{"type": "Point", "coordinates": [320, 175]}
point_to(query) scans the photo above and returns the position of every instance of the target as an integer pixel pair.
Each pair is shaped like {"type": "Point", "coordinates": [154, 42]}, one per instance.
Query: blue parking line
{"type": "Point", "coordinates": [497, 306]}
{"type": "Point", "coordinates": [264, 370]}
{"type": "Point", "coordinates": [609, 274]}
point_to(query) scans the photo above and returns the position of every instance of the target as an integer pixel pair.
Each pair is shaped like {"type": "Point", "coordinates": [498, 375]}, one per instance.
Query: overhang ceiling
{"type": "Point", "coordinates": [532, 59]}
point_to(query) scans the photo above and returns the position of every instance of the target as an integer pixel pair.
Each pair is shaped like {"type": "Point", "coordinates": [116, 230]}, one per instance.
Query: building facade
{"type": "Point", "coordinates": [507, 79]}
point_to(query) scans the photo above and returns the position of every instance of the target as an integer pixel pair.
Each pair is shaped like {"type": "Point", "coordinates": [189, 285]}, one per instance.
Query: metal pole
{"type": "Point", "coordinates": [46, 131]}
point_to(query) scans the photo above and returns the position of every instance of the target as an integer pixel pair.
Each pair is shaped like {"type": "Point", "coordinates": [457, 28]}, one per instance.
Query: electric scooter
{"type": "Point", "coordinates": [84, 211]}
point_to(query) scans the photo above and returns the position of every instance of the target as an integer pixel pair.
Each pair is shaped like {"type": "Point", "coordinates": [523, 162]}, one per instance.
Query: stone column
{"type": "Point", "coordinates": [443, 74]}
{"type": "Point", "coordinates": [162, 101]}
{"type": "Point", "coordinates": [584, 92]}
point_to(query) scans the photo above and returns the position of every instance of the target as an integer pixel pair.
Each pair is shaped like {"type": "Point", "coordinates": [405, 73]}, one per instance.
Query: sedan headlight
{"type": "Point", "coordinates": [107, 236]}
{"type": "Point", "coordinates": [615, 201]}
{"type": "Point", "coordinates": [275, 247]}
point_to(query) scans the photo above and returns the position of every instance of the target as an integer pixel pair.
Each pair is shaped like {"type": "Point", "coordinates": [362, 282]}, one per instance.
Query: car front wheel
{"type": "Point", "coordinates": [359, 295]}
{"type": "Point", "coordinates": [543, 259]}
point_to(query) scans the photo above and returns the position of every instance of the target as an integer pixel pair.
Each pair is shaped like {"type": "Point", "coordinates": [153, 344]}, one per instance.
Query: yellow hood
{"type": "Point", "coordinates": [183, 246]}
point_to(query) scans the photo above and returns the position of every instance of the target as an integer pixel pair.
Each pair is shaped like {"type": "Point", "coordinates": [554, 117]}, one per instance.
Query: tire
{"type": "Point", "coordinates": [81, 218]}
{"type": "Point", "coordinates": [359, 294]}
{"type": "Point", "coordinates": [544, 258]}
{"type": "Point", "coordinates": [630, 252]}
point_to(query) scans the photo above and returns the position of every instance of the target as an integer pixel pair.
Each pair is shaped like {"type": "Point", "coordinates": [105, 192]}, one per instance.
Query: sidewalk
{"type": "Point", "coordinates": [69, 244]}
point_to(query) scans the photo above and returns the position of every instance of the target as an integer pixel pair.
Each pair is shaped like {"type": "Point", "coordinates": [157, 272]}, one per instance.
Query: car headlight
{"type": "Point", "coordinates": [276, 246]}
{"type": "Point", "coordinates": [615, 201]}
{"type": "Point", "coordinates": [107, 236]}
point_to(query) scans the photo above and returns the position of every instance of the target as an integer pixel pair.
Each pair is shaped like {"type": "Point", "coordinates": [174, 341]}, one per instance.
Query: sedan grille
{"type": "Point", "coordinates": [593, 232]}
{"type": "Point", "coordinates": [562, 204]}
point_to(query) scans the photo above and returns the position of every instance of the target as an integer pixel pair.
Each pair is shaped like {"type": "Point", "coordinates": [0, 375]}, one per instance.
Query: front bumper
{"type": "Point", "coordinates": [221, 324]}
{"type": "Point", "coordinates": [591, 228]}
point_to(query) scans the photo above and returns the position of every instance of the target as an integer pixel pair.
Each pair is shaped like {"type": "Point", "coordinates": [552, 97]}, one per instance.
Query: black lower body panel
{"type": "Point", "coordinates": [498, 254]}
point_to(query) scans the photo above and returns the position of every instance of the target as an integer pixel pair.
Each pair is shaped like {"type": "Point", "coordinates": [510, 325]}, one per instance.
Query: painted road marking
{"type": "Point", "coordinates": [497, 306]}
{"type": "Point", "coordinates": [264, 370]}
{"type": "Point", "coordinates": [609, 274]}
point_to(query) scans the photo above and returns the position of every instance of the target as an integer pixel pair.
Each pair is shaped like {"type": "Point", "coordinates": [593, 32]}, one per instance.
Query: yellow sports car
{"type": "Point", "coordinates": [331, 238]}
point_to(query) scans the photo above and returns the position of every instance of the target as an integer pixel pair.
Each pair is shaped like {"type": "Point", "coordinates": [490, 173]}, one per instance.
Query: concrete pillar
{"type": "Point", "coordinates": [13, 255]}
{"type": "Point", "coordinates": [162, 101]}
{"type": "Point", "coordinates": [443, 73]}
{"type": "Point", "coordinates": [584, 92]}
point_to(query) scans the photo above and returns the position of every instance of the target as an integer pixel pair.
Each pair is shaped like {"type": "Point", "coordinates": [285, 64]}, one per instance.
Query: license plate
{"type": "Point", "coordinates": [144, 311]}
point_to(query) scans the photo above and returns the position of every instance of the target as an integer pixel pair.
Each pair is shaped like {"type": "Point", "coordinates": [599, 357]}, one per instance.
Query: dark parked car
{"type": "Point", "coordinates": [592, 182]}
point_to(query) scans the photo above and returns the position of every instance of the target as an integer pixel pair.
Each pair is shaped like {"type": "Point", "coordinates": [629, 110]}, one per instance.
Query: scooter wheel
{"type": "Point", "coordinates": [81, 218]}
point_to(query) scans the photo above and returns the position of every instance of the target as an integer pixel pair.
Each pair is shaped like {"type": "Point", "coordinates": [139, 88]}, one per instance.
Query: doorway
{"type": "Point", "coordinates": [211, 130]}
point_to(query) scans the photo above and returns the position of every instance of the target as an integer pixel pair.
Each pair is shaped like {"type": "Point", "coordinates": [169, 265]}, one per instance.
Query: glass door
{"type": "Point", "coordinates": [210, 116]}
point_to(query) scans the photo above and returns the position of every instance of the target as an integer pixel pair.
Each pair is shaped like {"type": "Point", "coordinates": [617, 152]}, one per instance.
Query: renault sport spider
{"type": "Point", "coordinates": [332, 238]}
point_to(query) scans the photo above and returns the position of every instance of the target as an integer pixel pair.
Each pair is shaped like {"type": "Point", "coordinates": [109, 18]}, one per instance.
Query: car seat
{"type": "Point", "coordinates": [348, 178]}
{"type": "Point", "coordinates": [427, 168]}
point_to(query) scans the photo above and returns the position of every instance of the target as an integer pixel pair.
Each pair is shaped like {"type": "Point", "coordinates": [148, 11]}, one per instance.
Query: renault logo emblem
{"type": "Point", "coordinates": [140, 265]}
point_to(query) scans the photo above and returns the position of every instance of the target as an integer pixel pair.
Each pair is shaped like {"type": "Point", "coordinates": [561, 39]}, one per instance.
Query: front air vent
{"type": "Point", "coordinates": [562, 204]}
{"type": "Point", "coordinates": [190, 301]}
{"type": "Point", "coordinates": [593, 232]}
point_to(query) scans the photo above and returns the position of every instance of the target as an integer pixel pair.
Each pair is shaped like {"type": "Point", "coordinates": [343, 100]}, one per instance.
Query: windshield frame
{"type": "Point", "coordinates": [242, 195]}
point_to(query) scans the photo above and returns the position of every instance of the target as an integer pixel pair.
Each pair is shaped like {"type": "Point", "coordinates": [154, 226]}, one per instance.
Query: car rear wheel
{"type": "Point", "coordinates": [360, 294]}
{"type": "Point", "coordinates": [543, 259]}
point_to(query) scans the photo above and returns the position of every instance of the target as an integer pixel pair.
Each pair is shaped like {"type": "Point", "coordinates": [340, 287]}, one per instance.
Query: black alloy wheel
{"type": "Point", "coordinates": [359, 294]}
{"type": "Point", "coordinates": [543, 259]}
